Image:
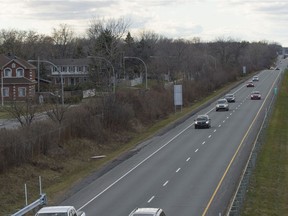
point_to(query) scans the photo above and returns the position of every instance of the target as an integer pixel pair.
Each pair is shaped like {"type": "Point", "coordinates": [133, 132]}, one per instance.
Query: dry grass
{"type": "Point", "coordinates": [70, 164]}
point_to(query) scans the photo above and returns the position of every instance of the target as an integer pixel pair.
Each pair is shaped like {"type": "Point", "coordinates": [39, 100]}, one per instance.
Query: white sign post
{"type": "Point", "coordinates": [244, 69]}
{"type": "Point", "coordinates": [178, 96]}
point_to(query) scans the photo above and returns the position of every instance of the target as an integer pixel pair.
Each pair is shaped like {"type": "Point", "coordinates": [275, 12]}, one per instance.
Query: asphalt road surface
{"type": "Point", "coordinates": [185, 171]}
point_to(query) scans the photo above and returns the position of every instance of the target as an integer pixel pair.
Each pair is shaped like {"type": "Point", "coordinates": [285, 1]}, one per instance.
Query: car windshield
{"type": "Point", "coordinates": [255, 92]}
{"type": "Point", "coordinates": [200, 118]}
{"type": "Point", "coordinates": [229, 95]}
{"type": "Point", "coordinates": [221, 101]}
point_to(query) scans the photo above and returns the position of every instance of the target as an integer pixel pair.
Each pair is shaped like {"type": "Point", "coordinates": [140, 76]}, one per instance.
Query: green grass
{"type": "Point", "coordinates": [268, 191]}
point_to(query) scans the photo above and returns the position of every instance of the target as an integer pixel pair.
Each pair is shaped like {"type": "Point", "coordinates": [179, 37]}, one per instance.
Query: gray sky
{"type": "Point", "coordinates": [250, 20]}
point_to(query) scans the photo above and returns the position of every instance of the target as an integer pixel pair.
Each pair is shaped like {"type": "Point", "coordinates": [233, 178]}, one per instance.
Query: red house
{"type": "Point", "coordinates": [17, 78]}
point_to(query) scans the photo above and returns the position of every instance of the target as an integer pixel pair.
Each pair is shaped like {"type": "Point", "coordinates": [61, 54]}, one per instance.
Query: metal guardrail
{"type": "Point", "coordinates": [41, 201]}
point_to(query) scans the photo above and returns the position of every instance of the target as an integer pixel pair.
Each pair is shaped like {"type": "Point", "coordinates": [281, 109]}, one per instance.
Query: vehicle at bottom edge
{"type": "Point", "coordinates": [59, 211]}
{"type": "Point", "coordinates": [147, 212]}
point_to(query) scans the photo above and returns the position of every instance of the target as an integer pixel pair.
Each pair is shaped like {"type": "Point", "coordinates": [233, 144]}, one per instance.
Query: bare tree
{"type": "Point", "coordinates": [24, 112]}
{"type": "Point", "coordinates": [106, 36]}
{"type": "Point", "coordinates": [56, 112]}
{"type": "Point", "coordinates": [62, 36]}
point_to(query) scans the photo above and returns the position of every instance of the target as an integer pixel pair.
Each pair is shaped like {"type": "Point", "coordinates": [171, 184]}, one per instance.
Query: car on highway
{"type": "Point", "coordinates": [202, 121]}
{"type": "Point", "coordinates": [250, 84]}
{"type": "Point", "coordinates": [147, 212]}
{"type": "Point", "coordinates": [230, 98]}
{"type": "Point", "coordinates": [222, 104]}
{"type": "Point", "coordinates": [255, 95]}
{"type": "Point", "coordinates": [59, 211]}
{"type": "Point", "coordinates": [255, 78]}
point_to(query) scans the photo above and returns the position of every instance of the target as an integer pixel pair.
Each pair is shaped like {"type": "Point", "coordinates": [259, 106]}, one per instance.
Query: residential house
{"type": "Point", "coordinates": [17, 78]}
{"type": "Point", "coordinates": [72, 71]}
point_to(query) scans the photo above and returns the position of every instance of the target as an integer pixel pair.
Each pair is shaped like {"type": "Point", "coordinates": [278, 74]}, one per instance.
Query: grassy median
{"type": "Point", "coordinates": [268, 190]}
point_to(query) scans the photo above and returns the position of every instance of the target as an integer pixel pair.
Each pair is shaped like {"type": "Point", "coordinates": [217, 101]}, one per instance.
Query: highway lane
{"type": "Point", "coordinates": [184, 171]}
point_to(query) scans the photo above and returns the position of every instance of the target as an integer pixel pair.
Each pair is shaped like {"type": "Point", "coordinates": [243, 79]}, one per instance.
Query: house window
{"type": "Point", "coordinates": [20, 72]}
{"type": "Point", "coordinates": [21, 92]}
{"type": "Point", "coordinates": [6, 92]}
{"type": "Point", "coordinates": [64, 68]}
{"type": "Point", "coordinates": [7, 72]}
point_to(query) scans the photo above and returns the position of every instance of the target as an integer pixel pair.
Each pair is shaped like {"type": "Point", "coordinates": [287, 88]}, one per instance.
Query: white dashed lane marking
{"type": "Point", "coordinates": [203, 143]}
{"type": "Point", "coordinates": [178, 170]}
{"type": "Point", "coordinates": [165, 183]}
{"type": "Point", "coordinates": [188, 159]}
{"type": "Point", "coordinates": [151, 199]}
{"type": "Point", "coordinates": [196, 150]}
{"type": "Point", "coordinates": [209, 136]}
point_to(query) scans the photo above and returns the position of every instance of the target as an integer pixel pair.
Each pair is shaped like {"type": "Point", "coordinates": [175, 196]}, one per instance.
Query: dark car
{"type": "Point", "coordinates": [250, 84]}
{"type": "Point", "coordinates": [202, 121]}
{"type": "Point", "coordinates": [255, 95]}
{"type": "Point", "coordinates": [230, 98]}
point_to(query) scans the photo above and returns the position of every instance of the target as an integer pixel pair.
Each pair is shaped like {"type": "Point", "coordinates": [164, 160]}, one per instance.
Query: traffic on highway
{"type": "Point", "coordinates": [185, 171]}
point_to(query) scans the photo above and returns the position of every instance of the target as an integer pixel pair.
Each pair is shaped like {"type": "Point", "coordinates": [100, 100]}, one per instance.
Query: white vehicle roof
{"type": "Point", "coordinates": [146, 210]}
{"type": "Point", "coordinates": [51, 209]}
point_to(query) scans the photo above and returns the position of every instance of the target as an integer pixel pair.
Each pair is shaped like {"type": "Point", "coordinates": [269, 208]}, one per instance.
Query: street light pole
{"type": "Point", "coordinates": [61, 77]}
{"type": "Point", "coordinates": [2, 90]}
{"type": "Point", "coordinates": [100, 57]}
{"type": "Point", "coordinates": [145, 66]}
{"type": "Point", "coordinates": [38, 74]}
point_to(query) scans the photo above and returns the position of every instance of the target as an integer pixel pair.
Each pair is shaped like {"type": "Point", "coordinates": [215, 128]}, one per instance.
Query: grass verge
{"type": "Point", "coordinates": [268, 190]}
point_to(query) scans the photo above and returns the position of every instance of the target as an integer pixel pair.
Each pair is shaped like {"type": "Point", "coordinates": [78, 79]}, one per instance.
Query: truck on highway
{"type": "Point", "coordinates": [59, 211]}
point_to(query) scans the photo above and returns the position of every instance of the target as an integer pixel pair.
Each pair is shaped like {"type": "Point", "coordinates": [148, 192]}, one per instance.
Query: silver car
{"type": "Point", "coordinates": [230, 98]}
{"type": "Point", "coordinates": [222, 104]}
{"type": "Point", "coordinates": [147, 212]}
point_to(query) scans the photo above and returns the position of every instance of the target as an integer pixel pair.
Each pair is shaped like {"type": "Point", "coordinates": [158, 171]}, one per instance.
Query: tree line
{"type": "Point", "coordinates": [201, 67]}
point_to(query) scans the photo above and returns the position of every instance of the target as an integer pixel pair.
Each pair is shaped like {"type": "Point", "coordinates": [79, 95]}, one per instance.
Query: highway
{"type": "Point", "coordinates": [184, 171]}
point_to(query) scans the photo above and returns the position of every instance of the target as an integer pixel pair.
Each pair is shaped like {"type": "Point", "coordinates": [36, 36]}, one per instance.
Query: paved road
{"type": "Point", "coordinates": [185, 171]}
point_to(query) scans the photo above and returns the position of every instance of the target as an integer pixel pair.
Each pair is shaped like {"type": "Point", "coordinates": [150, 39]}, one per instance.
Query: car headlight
{"type": "Point", "coordinates": [207, 122]}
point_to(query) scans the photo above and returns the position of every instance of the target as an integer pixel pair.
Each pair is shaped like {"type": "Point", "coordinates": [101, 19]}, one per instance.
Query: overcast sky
{"type": "Point", "coordinates": [250, 20]}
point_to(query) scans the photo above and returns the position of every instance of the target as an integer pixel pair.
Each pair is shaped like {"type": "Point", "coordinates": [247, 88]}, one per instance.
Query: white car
{"type": "Point", "coordinates": [222, 104]}
{"type": "Point", "coordinates": [59, 211]}
{"type": "Point", "coordinates": [255, 78]}
{"type": "Point", "coordinates": [147, 212]}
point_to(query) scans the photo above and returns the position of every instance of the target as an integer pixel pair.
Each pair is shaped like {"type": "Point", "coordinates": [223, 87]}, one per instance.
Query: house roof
{"type": "Point", "coordinates": [72, 62]}
{"type": "Point", "coordinates": [7, 59]}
